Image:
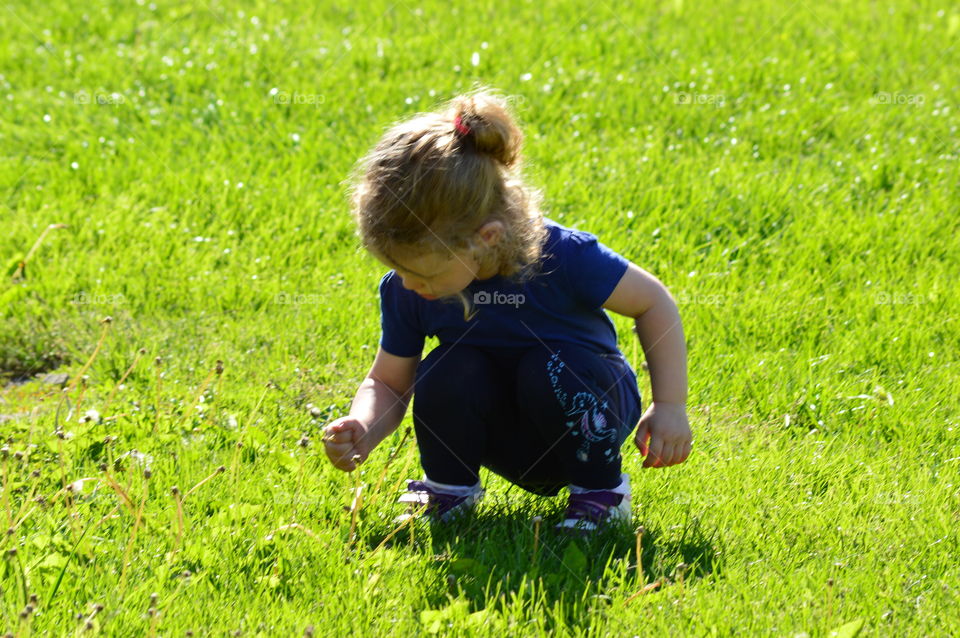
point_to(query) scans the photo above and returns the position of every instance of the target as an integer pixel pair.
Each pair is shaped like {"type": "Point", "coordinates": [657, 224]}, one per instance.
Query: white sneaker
{"type": "Point", "coordinates": [587, 510]}
{"type": "Point", "coordinates": [439, 506]}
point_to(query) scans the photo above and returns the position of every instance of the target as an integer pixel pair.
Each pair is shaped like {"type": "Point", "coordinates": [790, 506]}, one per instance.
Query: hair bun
{"type": "Point", "coordinates": [484, 118]}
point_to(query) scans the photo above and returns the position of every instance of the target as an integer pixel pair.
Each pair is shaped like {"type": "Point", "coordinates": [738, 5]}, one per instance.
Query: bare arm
{"type": "Point", "coordinates": [661, 336]}
{"type": "Point", "coordinates": [663, 434]}
{"type": "Point", "coordinates": [380, 408]}
{"type": "Point", "coordinates": [377, 410]}
{"type": "Point", "coordinates": [641, 296]}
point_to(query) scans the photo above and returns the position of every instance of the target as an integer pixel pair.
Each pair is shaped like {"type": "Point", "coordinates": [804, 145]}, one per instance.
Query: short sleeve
{"type": "Point", "coordinates": [400, 334]}
{"type": "Point", "coordinates": [593, 270]}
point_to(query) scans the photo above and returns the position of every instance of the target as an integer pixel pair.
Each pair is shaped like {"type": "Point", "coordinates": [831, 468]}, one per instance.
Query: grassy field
{"type": "Point", "coordinates": [788, 170]}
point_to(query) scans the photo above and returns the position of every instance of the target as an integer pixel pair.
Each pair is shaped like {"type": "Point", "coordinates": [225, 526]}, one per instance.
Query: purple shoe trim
{"type": "Point", "coordinates": [439, 503]}
{"type": "Point", "coordinates": [592, 506]}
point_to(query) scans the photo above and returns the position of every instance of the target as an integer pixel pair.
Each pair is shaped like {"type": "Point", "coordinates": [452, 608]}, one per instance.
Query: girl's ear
{"type": "Point", "coordinates": [491, 232]}
{"type": "Point", "coordinates": [487, 257]}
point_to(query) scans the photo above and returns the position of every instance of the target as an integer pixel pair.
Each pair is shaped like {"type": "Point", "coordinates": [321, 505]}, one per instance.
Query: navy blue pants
{"type": "Point", "coordinates": [542, 417]}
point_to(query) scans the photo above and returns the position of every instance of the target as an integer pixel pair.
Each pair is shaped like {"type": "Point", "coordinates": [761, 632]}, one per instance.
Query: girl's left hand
{"type": "Point", "coordinates": [670, 439]}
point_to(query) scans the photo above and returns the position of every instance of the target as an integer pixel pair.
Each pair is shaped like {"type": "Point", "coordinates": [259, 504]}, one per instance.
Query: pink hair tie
{"type": "Point", "coordinates": [462, 128]}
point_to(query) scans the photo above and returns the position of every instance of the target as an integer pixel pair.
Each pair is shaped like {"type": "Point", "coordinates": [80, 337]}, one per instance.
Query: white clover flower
{"type": "Point", "coordinates": [139, 458]}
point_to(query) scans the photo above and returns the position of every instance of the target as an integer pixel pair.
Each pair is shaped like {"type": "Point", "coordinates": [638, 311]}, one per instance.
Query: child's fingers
{"type": "Point", "coordinates": [338, 436]}
{"type": "Point", "coordinates": [654, 455]}
{"type": "Point", "coordinates": [340, 431]}
{"type": "Point", "coordinates": [342, 440]}
{"type": "Point", "coordinates": [341, 456]}
{"type": "Point", "coordinates": [640, 439]}
{"type": "Point", "coordinates": [668, 455]}
{"type": "Point", "coordinates": [338, 448]}
{"type": "Point", "coordinates": [337, 426]}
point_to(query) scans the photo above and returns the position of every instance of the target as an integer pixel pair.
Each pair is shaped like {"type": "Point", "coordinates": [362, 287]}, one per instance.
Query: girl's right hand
{"type": "Point", "coordinates": [344, 439]}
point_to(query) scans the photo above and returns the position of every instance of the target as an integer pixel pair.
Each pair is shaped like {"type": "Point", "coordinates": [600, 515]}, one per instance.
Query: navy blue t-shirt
{"type": "Point", "coordinates": [563, 302]}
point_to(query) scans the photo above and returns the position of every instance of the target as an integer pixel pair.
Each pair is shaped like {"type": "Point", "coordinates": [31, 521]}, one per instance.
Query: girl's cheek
{"type": "Point", "coordinates": [411, 284]}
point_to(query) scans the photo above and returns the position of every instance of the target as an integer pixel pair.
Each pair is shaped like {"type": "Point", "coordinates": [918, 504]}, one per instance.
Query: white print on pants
{"type": "Point", "coordinates": [585, 413]}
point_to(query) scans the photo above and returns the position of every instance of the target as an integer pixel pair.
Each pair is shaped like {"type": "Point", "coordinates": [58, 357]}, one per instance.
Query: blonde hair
{"type": "Point", "coordinates": [433, 180]}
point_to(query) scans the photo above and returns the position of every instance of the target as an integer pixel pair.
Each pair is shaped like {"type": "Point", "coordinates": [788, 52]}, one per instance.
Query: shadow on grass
{"type": "Point", "coordinates": [497, 552]}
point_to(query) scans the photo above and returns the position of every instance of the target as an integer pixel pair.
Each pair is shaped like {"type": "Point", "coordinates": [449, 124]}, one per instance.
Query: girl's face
{"type": "Point", "coordinates": [436, 275]}
{"type": "Point", "coordinates": [441, 274]}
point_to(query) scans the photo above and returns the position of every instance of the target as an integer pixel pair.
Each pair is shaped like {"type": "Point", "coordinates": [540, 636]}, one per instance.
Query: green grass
{"type": "Point", "coordinates": [788, 170]}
